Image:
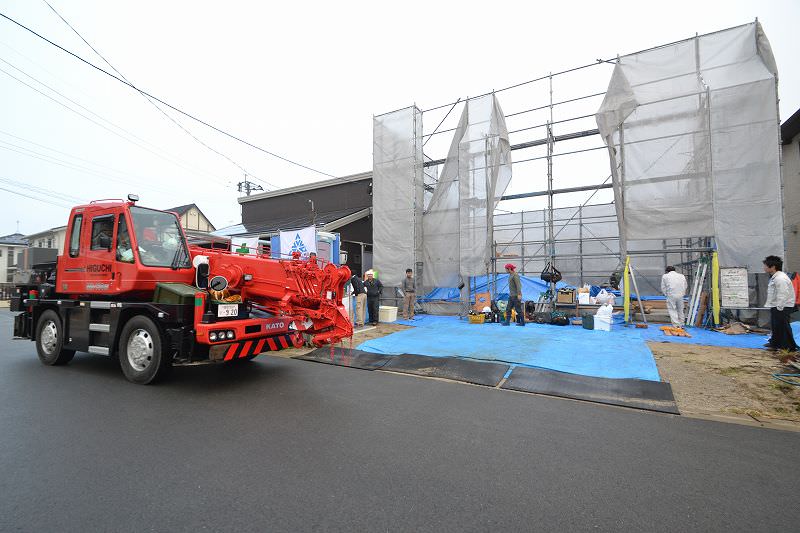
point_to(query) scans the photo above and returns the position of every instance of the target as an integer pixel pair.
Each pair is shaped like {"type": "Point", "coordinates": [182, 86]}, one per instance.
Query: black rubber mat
{"type": "Point", "coordinates": [476, 372]}
{"type": "Point", "coordinates": [636, 393]}
{"type": "Point", "coordinates": [346, 357]}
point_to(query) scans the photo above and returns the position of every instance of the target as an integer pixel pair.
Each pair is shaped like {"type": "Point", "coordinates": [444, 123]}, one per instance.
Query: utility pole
{"type": "Point", "coordinates": [247, 186]}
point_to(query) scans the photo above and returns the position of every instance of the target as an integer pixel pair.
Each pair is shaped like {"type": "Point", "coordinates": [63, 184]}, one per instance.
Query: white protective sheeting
{"type": "Point", "coordinates": [458, 219]}
{"type": "Point", "coordinates": [692, 131]}
{"type": "Point", "coordinates": [396, 193]}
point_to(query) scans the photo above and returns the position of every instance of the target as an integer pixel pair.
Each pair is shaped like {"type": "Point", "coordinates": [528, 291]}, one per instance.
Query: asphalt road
{"type": "Point", "coordinates": [284, 445]}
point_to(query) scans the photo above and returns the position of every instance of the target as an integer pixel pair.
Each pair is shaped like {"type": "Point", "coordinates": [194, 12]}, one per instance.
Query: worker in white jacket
{"type": "Point", "coordinates": [673, 286]}
{"type": "Point", "coordinates": [781, 303]}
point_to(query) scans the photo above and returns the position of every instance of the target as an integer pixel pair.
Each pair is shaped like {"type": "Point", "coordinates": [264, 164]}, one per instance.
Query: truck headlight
{"type": "Point", "coordinates": [229, 334]}
{"type": "Point", "coordinates": [212, 336]}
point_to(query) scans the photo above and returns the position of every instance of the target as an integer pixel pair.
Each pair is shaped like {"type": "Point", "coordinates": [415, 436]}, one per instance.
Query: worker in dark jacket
{"type": "Point", "coordinates": [360, 295]}
{"type": "Point", "coordinates": [374, 288]}
{"type": "Point", "coordinates": [514, 296]}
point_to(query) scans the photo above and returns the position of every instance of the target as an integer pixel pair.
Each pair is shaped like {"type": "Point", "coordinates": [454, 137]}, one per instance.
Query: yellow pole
{"type": "Point", "coordinates": [715, 303]}
{"type": "Point", "coordinates": [626, 290]}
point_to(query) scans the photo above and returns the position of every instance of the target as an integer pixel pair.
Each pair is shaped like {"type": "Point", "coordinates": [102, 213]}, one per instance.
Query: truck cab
{"type": "Point", "coordinates": [115, 247]}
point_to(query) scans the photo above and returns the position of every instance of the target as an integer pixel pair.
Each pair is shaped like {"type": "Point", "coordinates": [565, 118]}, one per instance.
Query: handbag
{"type": "Point", "coordinates": [550, 274]}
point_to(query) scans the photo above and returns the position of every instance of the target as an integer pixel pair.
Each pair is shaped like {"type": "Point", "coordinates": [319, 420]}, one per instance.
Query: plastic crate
{"type": "Point", "coordinates": [476, 319]}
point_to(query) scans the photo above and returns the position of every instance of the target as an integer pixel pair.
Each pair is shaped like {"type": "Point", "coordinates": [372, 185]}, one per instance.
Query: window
{"type": "Point", "coordinates": [50, 242]}
{"type": "Point", "coordinates": [159, 239]}
{"type": "Point", "coordinates": [75, 236]}
{"type": "Point", "coordinates": [124, 248]}
{"type": "Point", "coordinates": [102, 230]}
{"type": "Point", "coordinates": [1, 252]}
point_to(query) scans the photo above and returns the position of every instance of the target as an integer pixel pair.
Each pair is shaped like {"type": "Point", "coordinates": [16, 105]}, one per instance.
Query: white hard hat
{"type": "Point", "coordinates": [487, 309]}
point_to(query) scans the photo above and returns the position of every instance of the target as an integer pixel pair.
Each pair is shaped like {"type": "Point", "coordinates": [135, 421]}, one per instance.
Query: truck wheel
{"type": "Point", "coordinates": [140, 352]}
{"type": "Point", "coordinates": [50, 340]}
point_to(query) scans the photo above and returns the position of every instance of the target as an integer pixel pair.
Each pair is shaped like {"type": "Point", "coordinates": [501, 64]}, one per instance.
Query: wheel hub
{"type": "Point", "coordinates": [140, 350]}
{"type": "Point", "coordinates": [49, 337]}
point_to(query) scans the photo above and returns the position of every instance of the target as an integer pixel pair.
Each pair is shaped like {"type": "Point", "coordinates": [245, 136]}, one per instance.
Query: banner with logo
{"type": "Point", "coordinates": [300, 240]}
{"type": "Point", "coordinates": [247, 245]}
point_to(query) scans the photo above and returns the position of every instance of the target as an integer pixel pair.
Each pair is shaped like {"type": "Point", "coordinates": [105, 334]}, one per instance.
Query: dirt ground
{"type": "Point", "coordinates": [731, 384]}
{"type": "Point", "coordinates": [360, 335]}
{"type": "Point", "coordinates": [710, 380]}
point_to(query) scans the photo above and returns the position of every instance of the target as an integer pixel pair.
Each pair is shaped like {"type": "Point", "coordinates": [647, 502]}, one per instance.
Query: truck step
{"type": "Point", "coordinates": [103, 328]}
{"type": "Point", "coordinates": [99, 350]}
{"type": "Point", "coordinates": [100, 305]}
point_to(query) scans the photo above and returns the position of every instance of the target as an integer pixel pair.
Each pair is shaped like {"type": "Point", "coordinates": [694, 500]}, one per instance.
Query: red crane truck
{"type": "Point", "coordinates": [130, 287]}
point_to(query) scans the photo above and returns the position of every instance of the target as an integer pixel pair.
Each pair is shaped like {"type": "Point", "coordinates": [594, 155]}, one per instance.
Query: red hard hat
{"type": "Point", "coordinates": [510, 266]}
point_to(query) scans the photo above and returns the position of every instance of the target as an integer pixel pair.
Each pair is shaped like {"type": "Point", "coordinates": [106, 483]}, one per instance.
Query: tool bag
{"type": "Point", "coordinates": [550, 274]}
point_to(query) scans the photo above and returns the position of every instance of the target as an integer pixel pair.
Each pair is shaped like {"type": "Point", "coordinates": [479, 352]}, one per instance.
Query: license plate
{"type": "Point", "coordinates": [226, 310]}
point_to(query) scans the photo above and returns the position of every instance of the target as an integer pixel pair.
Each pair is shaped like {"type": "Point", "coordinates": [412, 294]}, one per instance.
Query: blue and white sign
{"type": "Point", "coordinates": [301, 240]}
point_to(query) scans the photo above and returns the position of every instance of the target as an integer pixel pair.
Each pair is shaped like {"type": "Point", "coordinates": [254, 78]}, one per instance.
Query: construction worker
{"type": "Point", "coordinates": [409, 295]}
{"type": "Point", "coordinates": [360, 294]}
{"type": "Point", "coordinates": [673, 286]}
{"type": "Point", "coordinates": [374, 288]}
{"type": "Point", "coordinates": [514, 296]}
{"type": "Point", "coordinates": [781, 303]}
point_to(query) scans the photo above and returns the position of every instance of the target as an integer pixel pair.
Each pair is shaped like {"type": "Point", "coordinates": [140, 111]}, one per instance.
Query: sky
{"type": "Point", "coordinates": [303, 80]}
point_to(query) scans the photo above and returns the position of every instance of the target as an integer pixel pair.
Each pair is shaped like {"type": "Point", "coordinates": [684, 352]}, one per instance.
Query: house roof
{"type": "Point", "coordinates": [329, 221]}
{"type": "Point", "coordinates": [182, 209]}
{"type": "Point", "coordinates": [45, 232]}
{"type": "Point", "coordinates": [307, 187]}
{"type": "Point", "coordinates": [14, 238]}
{"type": "Point", "coordinates": [790, 128]}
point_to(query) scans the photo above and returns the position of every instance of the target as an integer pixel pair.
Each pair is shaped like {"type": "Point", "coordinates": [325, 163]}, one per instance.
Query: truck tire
{"type": "Point", "coordinates": [141, 354]}
{"type": "Point", "coordinates": [50, 340]}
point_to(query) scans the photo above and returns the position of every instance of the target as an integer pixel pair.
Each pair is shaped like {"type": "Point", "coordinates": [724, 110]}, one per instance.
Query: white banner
{"type": "Point", "coordinates": [242, 245]}
{"type": "Point", "coordinates": [301, 240]}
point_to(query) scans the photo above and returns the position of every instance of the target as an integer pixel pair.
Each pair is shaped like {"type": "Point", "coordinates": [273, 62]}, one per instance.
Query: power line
{"type": "Point", "coordinates": [149, 100]}
{"type": "Point", "coordinates": [100, 165]}
{"type": "Point", "coordinates": [55, 76]}
{"type": "Point", "coordinates": [73, 166]}
{"type": "Point", "coordinates": [174, 108]}
{"type": "Point", "coordinates": [40, 190]}
{"type": "Point", "coordinates": [34, 198]}
{"type": "Point", "coordinates": [138, 144]}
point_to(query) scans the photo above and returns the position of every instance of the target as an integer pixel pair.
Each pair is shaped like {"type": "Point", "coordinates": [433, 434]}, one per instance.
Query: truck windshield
{"type": "Point", "coordinates": [159, 238]}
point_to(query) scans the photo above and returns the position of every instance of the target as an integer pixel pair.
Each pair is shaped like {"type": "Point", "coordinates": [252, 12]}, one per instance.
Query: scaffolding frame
{"type": "Point", "coordinates": [678, 252]}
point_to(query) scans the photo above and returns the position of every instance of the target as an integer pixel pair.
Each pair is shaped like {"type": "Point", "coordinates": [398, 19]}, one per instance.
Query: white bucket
{"type": "Point", "coordinates": [387, 313]}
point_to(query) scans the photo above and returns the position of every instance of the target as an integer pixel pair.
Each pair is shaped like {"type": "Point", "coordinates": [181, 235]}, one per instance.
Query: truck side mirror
{"type": "Point", "coordinates": [202, 276]}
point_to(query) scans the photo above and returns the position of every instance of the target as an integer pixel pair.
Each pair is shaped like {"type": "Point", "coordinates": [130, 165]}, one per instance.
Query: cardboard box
{"type": "Point", "coordinates": [565, 296]}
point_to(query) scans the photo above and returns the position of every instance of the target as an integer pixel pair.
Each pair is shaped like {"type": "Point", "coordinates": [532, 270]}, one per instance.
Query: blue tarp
{"type": "Point", "coordinates": [714, 338]}
{"type": "Point", "coordinates": [531, 289]}
{"type": "Point", "coordinates": [621, 353]}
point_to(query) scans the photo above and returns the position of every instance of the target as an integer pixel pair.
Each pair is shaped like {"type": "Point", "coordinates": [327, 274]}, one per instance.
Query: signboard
{"type": "Point", "coordinates": [301, 240]}
{"type": "Point", "coordinates": [245, 245]}
{"type": "Point", "coordinates": [733, 288]}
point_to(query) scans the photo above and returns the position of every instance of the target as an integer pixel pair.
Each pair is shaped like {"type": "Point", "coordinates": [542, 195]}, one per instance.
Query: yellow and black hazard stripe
{"type": "Point", "coordinates": [239, 350]}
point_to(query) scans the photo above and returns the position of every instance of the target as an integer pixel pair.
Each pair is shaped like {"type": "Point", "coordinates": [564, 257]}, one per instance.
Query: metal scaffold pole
{"type": "Point", "coordinates": [551, 245]}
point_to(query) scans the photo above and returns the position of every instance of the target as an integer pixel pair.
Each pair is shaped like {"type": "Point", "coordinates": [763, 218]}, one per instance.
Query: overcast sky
{"type": "Point", "coordinates": [303, 80]}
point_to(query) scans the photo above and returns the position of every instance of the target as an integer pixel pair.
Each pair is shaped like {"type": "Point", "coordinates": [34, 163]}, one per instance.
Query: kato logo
{"type": "Point", "coordinates": [275, 325]}
{"type": "Point", "coordinates": [99, 268]}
